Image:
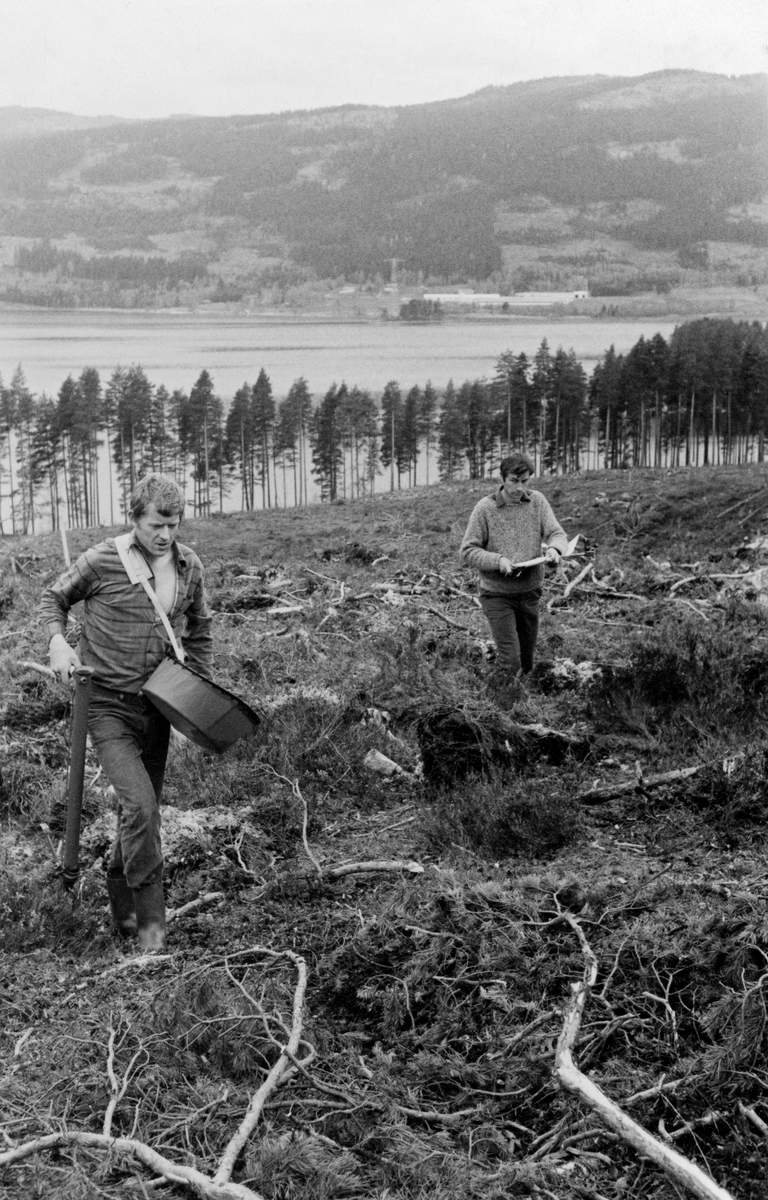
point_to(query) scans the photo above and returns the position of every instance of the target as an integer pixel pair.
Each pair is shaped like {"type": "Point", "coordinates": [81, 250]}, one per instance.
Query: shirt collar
{"type": "Point", "coordinates": [502, 498]}
{"type": "Point", "coordinates": [178, 554]}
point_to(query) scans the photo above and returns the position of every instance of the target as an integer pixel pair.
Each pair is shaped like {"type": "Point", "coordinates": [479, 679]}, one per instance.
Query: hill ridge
{"type": "Point", "coordinates": [641, 183]}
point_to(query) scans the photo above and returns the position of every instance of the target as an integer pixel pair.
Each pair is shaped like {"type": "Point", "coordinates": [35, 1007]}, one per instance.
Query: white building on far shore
{"type": "Point", "coordinates": [495, 300]}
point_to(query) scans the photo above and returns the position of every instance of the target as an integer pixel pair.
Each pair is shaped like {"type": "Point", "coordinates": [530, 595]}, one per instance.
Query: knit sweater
{"type": "Point", "coordinates": [514, 529]}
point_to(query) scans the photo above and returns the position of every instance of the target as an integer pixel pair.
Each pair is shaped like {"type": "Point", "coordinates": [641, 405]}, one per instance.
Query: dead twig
{"type": "Point", "coordinates": [678, 1168]}
{"type": "Point", "coordinates": [709, 1118]}
{"type": "Point", "coordinates": [654, 1092]}
{"type": "Point", "coordinates": [438, 1118]}
{"type": "Point", "coordinates": [277, 1073]}
{"type": "Point", "coordinates": [294, 786]}
{"type": "Point", "coordinates": [118, 1089]}
{"type": "Point", "coordinates": [752, 1116]}
{"type": "Point", "coordinates": [173, 914]}
{"type": "Point", "coordinates": [745, 500]}
{"type": "Point", "coordinates": [448, 620]}
{"type": "Point", "coordinates": [583, 574]}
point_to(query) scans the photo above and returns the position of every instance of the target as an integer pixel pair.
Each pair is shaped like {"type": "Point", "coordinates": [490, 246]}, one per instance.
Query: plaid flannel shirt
{"type": "Point", "coordinates": [122, 637]}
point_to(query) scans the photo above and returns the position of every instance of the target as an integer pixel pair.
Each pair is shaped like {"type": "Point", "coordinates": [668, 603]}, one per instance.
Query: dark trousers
{"type": "Point", "coordinates": [130, 739]}
{"type": "Point", "coordinates": [514, 622]}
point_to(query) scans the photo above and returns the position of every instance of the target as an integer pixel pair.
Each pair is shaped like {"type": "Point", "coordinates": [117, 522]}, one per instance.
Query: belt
{"type": "Point", "coordinates": [136, 699]}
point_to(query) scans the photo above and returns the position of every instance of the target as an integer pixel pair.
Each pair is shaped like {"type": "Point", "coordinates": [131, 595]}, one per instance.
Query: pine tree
{"type": "Point", "coordinates": [364, 420]}
{"type": "Point", "coordinates": [22, 405]}
{"type": "Point", "coordinates": [45, 457]}
{"type": "Point", "coordinates": [239, 441]}
{"type": "Point", "coordinates": [541, 392]}
{"type": "Point", "coordinates": [326, 442]}
{"type": "Point", "coordinates": [475, 400]}
{"type": "Point", "coordinates": [181, 445]}
{"type": "Point", "coordinates": [411, 434]}
{"type": "Point", "coordinates": [511, 390]}
{"type": "Point", "coordinates": [132, 422]}
{"type": "Point", "coordinates": [8, 416]}
{"type": "Point", "coordinates": [201, 415]}
{"type": "Point", "coordinates": [391, 431]}
{"type": "Point", "coordinates": [451, 435]}
{"type": "Point", "coordinates": [160, 448]}
{"type": "Point", "coordinates": [263, 406]}
{"type": "Point", "coordinates": [299, 399]}
{"type": "Point", "coordinates": [427, 419]}
{"type": "Point", "coordinates": [89, 387]}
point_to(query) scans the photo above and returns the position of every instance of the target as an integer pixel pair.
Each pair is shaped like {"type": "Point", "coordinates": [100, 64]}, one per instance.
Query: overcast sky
{"type": "Point", "coordinates": [151, 58]}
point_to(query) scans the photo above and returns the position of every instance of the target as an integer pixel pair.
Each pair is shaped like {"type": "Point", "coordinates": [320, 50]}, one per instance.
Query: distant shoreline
{"type": "Point", "coordinates": [320, 318]}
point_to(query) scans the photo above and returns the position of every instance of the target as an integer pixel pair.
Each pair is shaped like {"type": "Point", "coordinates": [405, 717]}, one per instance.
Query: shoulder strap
{"type": "Point", "coordinates": [138, 572]}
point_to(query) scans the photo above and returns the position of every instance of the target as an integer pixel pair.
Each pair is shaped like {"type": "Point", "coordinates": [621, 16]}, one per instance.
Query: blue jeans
{"type": "Point", "coordinates": [130, 738]}
{"type": "Point", "coordinates": [514, 621]}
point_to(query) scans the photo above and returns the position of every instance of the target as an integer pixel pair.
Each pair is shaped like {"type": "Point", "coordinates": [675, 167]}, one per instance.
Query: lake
{"type": "Point", "coordinates": [174, 347]}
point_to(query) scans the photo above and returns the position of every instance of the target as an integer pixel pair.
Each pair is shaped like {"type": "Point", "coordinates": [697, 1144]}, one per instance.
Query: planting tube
{"type": "Point", "coordinates": [82, 695]}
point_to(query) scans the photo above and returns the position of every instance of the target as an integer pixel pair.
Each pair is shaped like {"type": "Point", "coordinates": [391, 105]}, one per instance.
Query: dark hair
{"type": "Point", "coordinates": [514, 464]}
{"type": "Point", "coordinates": [160, 490]}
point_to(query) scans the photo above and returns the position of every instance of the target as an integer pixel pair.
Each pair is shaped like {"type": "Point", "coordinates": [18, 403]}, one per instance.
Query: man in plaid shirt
{"type": "Point", "coordinates": [123, 639]}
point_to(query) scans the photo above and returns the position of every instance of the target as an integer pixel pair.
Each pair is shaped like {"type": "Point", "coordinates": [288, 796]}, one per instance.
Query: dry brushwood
{"type": "Point", "coordinates": [457, 741]}
{"type": "Point", "coordinates": [219, 1186]}
{"type": "Point", "coordinates": [675, 1165]}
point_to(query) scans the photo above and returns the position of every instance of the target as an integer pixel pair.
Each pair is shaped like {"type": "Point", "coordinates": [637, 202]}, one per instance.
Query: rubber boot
{"type": "Point", "coordinates": [150, 916]}
{"type": "Point", "coordinates": [122, 905]}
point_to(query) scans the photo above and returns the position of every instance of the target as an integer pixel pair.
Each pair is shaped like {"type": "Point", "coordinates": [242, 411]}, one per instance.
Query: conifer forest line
{"type": "Point", "coordinates": [699, 398]}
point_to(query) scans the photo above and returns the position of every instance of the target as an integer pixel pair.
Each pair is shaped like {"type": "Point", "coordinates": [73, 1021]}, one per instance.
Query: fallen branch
{"type": "Point", "coordinates": [294, 786]}
{"type": "Point", "coordinates": [118, 1089]}
{"type": "Point", "coordinates": [599, 795]}
{"type": "Point", "coordinates": [401, 589]}
{"type": "Point", "coordinates": [719, 575]}
{"type": "Point", "coordinates": [745, 500]}
{"type": "Point", "coordinates": [130, 1148]}
{"type": "Point", "coordinates": [610, 594]}
{"type": "Point", "coordinates": [438, 1118]}
{"type": "Point", "coordinates": [283, 1065]}
{"type": "Point", "coordinates": [360, 868]}
{"type": "Point", "coordinates": [653, 1093]}
{"type": "Point", "coordinates": [752, 1116]}
{"type": "Point", "coordinates": [571, 1079]}
{"type": "Point", "coordinates": [173, 914]}
{"type": "Point", "coordinates": [583, 573]}
{"type": "Point", "coordinates": [448, 620]}
{"type": "Point", "coordinates": [709, 1118]}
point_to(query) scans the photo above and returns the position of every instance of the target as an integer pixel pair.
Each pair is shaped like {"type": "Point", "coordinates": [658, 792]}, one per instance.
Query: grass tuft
{"type": "Point", "coordinates": [500, 816]}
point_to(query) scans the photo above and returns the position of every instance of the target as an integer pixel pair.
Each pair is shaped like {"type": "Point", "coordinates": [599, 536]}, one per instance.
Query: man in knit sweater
{"type": "Point", "coordinates": [507, 528]}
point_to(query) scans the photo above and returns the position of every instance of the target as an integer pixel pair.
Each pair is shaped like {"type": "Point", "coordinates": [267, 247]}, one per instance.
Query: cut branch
{"type": "Point", "coordinates": [599, 795]}
{"type": "Point", "coordinates": [678, 1168]}
{"type": "Point", "coordinates": [281, 1068]}
{"type": "Point", "coordinates": [202, 1185]}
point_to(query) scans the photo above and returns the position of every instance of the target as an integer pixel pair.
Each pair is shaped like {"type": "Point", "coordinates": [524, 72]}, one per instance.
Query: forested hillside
{"type": "Point", "coordinates": [624, 184]}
